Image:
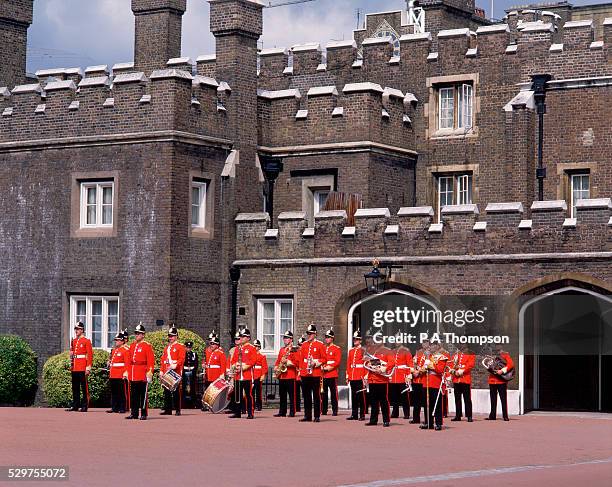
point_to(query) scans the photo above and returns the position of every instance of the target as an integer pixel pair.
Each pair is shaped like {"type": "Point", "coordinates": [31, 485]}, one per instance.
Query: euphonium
{"type": "Point", "coordinates": [492, 364]}
{"type": "Point", "coordinates": [374, 364]}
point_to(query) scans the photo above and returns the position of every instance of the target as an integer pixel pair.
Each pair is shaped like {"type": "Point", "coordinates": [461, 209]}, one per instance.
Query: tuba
{"type": "Point", "coordinates": [492, 364]}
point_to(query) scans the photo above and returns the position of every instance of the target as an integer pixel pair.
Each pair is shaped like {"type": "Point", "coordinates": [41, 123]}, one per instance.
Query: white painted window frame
{"type": "Point", "coordinates": [585, 193]}
{"type": "Point", "coordinates": [99, 187]}
{"type": "Point", "coordinates": [278, 329]}
{"type": "Point", "coordinates": [202, 187]}
{"type": "Point", "coordinates": [104, 343]}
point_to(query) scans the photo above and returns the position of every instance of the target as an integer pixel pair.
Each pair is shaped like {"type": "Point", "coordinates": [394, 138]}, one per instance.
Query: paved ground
{"type": "Point", "coordinates": [211, 450]}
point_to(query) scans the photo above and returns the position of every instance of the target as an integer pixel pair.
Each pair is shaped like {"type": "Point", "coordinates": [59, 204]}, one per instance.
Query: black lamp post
{"type": "Point", "coordinates": [375, 280]}
{"type": "Point", "coordinates": [538, 86]}
{"type": "Point", "coordinates": [234, 273]}
{"type": "Point", "coordinates": [271, 167]}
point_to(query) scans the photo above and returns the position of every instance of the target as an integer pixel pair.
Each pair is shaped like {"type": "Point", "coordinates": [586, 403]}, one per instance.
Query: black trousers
{"type": "Point", "coordinates": [399, 398]}
{"type": "Point", "coordinates": [257, 394]}
{"type": "Point", "coordinates": [417, 399]}
{"type": "Point", "coordinates": [118, 395]}
{"type": "Point", "coordinates": [502, 390]}
{"type": "Point", "coordinates": [462, 391]}
{"type": "Point", "coordinates": [287, 388]}
{"type": "Point", "coordinates": [434, 416]}
{"type": "Point", "coordinates": [244, 389]}
{"type": "Point", "coordinates": [379, 397]}
{"type": "Point", "coordinates": [358, 399]}
{"type": "Point", "coordinates": [79, 382]}
{"type": "Point", "coordinates": [312, 396]}
{"type": "Point", "coordinates": [189, 389]}
{"type": "Point", "coordinates": [330, 386]}
{"type": "Point", "coordinates": [298, 395]}
{"type": "Point", "coordinates": [137, 398]}
{"type": "Point", "coordinates": [172, 400]}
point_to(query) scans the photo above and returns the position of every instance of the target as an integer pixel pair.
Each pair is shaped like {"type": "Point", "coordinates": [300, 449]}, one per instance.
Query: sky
{"type": "Point", "coordinates": [71, 33]}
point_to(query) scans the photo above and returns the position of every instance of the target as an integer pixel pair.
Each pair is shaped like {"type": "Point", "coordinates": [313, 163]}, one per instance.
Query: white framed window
{"type": "Point", "coordinates": [100, 315]}
{"type": "Point", "coordinates": [274, 318]}
{"type": "Point", "coordinates": [454, 189]}
{"type": "Point", "coordinates": [580, 188]}
{"type": "Point", "coordinates": [198, 204]}
{"type": "Point", "coordinates": [319, 199]}
{"type": "Point", "coordinates": [456, 106]}
{"type": "Point", "coordinates": [97, 204]}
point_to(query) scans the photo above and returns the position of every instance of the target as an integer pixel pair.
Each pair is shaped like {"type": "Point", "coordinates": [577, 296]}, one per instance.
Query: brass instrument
{"type": "Point", "coordinates": [376, 365]}
{"type": "Point", "coordinates": [282, 367]}
{"type": "Point", "coordinates": [493, 364]}
{"type": "Point", "coordinates": [408, 381]}
{"type": "Point", "coordinates": [309, 365]}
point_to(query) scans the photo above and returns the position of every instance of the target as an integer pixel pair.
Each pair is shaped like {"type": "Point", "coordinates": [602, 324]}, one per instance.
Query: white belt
{"type": "Point", "coordinates": [80, 356]}
{"type": "Point", "coordinates": [331, 361]}
{"type": "Point", "coordinates": [403, 367]}
{"type": "Point", "coordinates": [357, 366]}
{"type": "Point", "coordinates": [257, 367]}
{"type": "Point", "coordinates": [213, 366]}
{"type": "Point", "coordinates": [118, 365]}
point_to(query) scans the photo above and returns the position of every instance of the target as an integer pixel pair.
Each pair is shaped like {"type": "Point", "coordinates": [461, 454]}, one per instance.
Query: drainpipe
{"type": "Point", "coordinates": [234, 273]}
{"type": "Point", "coordinates": [538, 86]}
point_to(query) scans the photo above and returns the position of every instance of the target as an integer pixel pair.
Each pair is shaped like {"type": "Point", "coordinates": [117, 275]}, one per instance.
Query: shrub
{"type": "Point", "coordinates": [57, 381]}
{"type": "Point", "coordinates": [18, 374]}
{"type": "Point", "coordinates": [159, 341]}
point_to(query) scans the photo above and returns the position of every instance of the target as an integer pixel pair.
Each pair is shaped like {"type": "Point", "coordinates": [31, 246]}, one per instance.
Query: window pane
{"type": "Point", "coordinates": [268, 326]}
{"type": "Point", "coordinates": [91, 196]}
{"type": "Point", "coordinates": [107, 215]}
{"type": "Point", "coordinates": [195, 215]}
{"type": "Point", "coordinates": [107, 195]}
{"type": "Point", "coordinates": [96, 339]}
{"type": "Point", "coordinates": [268, 342]}
{"type": "Point", "coordinates": [268, 310]}
{"type": "Point", "coordinates": [91, 214]}
{"type": "Point", "coordinates": [446, 190]}
{"type": "Point", "coordinates": [465, 106]}
{"type": "Point", "coordinates": [464, 190]}
{"type": "Point", "coordinates": [447, 108]}
{"type": "Point", "coordinates": [113, 308]}
{"type": "Point", "coordinates": [286, 310]}
{"type": "Point", "coordinates": [96, 308]}
{"type": "Point", "coordinates": [195, 195]}
{"type": "Point", "coordinates": [81, 309]}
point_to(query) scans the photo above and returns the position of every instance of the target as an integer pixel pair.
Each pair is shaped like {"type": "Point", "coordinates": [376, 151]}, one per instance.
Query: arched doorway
{"type": "Point", "coordinates": [565, 355]}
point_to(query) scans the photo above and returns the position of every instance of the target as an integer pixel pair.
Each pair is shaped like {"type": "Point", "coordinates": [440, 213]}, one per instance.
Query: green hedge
{"type": "Point", "coordinates": [57, 382]}
{"type": "Point", "coordinates": [159, 341]}
{"type": "Point", "coordinates": [18, 374]}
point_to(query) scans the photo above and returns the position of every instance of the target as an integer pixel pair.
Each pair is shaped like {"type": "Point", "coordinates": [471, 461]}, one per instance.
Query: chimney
{"type": "Point", "coordinates": [157, 33]}
{"type": "Point", "coordinates": [15, 18]}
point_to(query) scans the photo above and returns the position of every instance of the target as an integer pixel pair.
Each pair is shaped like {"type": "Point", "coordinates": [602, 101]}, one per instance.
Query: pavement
{"type": "Point", "coordinates": [212, 450]}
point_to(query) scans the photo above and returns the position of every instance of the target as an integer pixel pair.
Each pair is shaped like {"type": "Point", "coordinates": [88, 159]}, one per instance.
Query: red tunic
{"type": "Point", "coordinates": [354, 364]}
{"type": "Point", "coordinates": [82, 354]}
{"type": "Point", "coordinates": [495, 379]}
{"type": "Point", "coordinates": [433, 378]}
{"type": "Point", "coordinates": [419, 361]}
{"type": "Point", "coordinates": [118, 361]}
{"type": "Point", "coordinates": [174, 355]}
{"type": "Point", "coordinates": [465, 361]}
{"type": "Point", "coordinates": [141, 360]}
{"type": "Point", "coordinates": [292, 357]}
{"type": "Point", "coordinates": [261, 366]}
{"type": "Point", "coordinates": [247, 354]}
{"type": "Point", "coordinates": [214, 364]}
{"type": "Point", "coordinates": [403, 364]}
{"type": "Point", "coordinates": [315, 350]}
{"type": "Point", "coordinates": [334, 357]}
{"type": "Point", "coordinates": [387, 359]}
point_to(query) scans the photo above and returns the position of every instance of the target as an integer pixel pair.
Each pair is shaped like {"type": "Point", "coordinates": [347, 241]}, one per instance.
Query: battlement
{"type": "Point", "coordinates": [128, 102]}
{"type": "Point", "coordinates": [504, 228]}
{"type": "Point", "coordinates": [329, 114]}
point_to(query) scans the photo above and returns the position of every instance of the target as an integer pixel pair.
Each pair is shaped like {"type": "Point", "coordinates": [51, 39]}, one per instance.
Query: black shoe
{"type": "Point", "coordinates": [335, 414]}
{"type": "Point", "coordinates": [143, 418]}
{"type": "Point", "coordinates": [351, 418]}
{"type": "Point", "coordinates": [324, 414]}
{"type": "Point", "coordinates": [110, 411]}
{"type": "Point", "coordinates": [386, 425]}
{"type": "Point", "coordinates": [456, 419]}
{"type": "Point", "coordinates": [292, 415]}
{"type": "Point", "coordinates": [235, 415]}
{"type": "Point", "coordinates": [250, 416]}
{"type": "Point", "coordinates": [423, 427]}
{"type": "Point", "coordinates": [279, 415]}
{"type": "Point", "coordinates": [369, 423]}
{"type": "Point", "coordinates": [406, 417]}
{"type": "Point", "coordinates": [178, 413]}
{"type": "Point", "coordinates": [305, 420]}
{"type": "Point", "coordinates": [414, 421]}
{"type": "Point", "coordinates": [166, 413]}
{"type": "Point", "coordinates": [506, 419]}
{"type": "Point", "coordinates": [438, 427]}
{"type": "Point", "coordinates": [470, 420]}
{"type": "Point", "coordinates": [257, 409]}
{"type": "Point", "coordinates": [395, 415]}
{"type": "Point", "coordinates": [131, 417]}
{"type": "Point", "coordinates": [121, 411]}
{"type": "Point", "coordinates": [317, 420]}
{"type": "Point", "coordinates": [83, 410]}
{"type": "Point", "coordinates": [70, 410]}
{"type": "Point", "coordinates": [362, 418]}
{"type": "Point", "coordinates": [490, 419]}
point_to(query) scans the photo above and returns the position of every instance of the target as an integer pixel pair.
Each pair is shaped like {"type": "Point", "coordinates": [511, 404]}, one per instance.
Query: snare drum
{"type": "Point", "coordinates": [216, 396]}
{"type": "Point", "coordinates": [170, 380]}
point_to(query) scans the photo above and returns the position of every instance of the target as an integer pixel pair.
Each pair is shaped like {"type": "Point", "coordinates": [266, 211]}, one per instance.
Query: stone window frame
{"type": "Point", "coordinates": [565, 171]}
{"type": "Point", "coordinates": [434, 172]}
{"type": "Point", "coordinates": [431, 106]}
{"type": "Point", "coordinates": [205, 232]}
{"type": "Point", "coordinates": [78, 178]}
{"type": "Point", "coordinates": [310, 185]}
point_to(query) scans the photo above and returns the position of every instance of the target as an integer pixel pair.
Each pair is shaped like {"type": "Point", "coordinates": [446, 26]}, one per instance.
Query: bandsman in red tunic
{"type": "Point", "coordinates": [173, 358]}
{"type": "Point", "coordinates": [434, 367]}
{"type": "Point", "coordinates": [397, 386]}
{"type": "Point", "coordinates": [497, 385]}
{"type": "Point", "coordinates": [417, 397]}
{"type": "Point", "coordinates": [312, 356]}
{"type": "Point", "coordinates": [81, 360]}
{"type": "Point", "coordinates": [462, 363]}
{"type": "Point", "coordinates": [354, 377]}
{"type": "Point", "coordinates": [214, 364]}
{"type": "Point", "coordinates": [377, 374]}
{"type": "Point", "coordinates": [141, 361]}
{"type": "Point", "coordinates": [330, 373]}
{"type": "Point", "coordinates": [241, 366]}
{"type": "Point", "coordinates": [260, 370]}
{"type": "Point", "coordinates": [289, 358]}
{"type": "Point", "coordinates": [117, 365]}
{"type": "Point", "coordinates": [298, 377]}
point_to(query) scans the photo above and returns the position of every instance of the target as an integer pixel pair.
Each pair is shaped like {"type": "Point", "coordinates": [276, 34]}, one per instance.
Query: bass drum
{"type": "Point", "coordinates": [216, 396]}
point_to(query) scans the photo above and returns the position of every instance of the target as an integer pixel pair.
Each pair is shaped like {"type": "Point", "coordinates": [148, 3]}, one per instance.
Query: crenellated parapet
{"type": "Point", "coordinates": [502, 228]}
{"type": "Point", "coordinates": [128, 102]}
